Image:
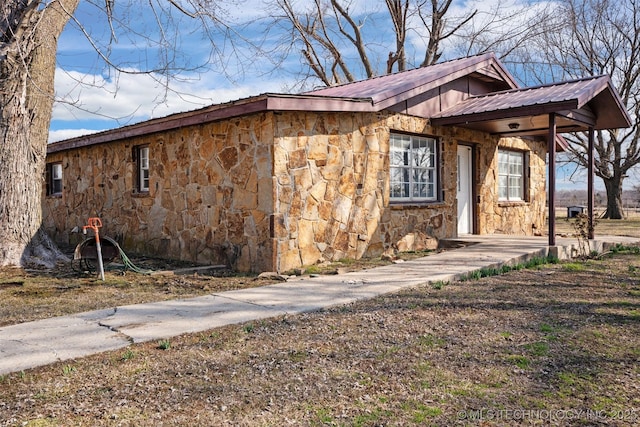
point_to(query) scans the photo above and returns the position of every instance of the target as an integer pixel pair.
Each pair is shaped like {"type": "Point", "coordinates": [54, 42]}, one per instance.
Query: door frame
{"type": "Point", "coordinates": [473, 221]}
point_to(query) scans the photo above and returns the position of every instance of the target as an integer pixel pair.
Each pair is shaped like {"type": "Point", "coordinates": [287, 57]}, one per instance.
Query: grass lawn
{"type": "Point", "coordinates": [554, 345]}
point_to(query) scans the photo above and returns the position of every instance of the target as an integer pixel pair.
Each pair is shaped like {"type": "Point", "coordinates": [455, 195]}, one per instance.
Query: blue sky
{"type": "Point", "coordinates": [93, 96]}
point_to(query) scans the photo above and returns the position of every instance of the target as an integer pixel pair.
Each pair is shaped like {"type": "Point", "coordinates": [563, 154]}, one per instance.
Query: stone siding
{"type": "Point", "coordinates": [332, 188]}
{"type": "Point", "coordinates": [280, 190]}
{"type": "Point", "coordinates": [519, 218]}
{"type": "Point", "coordinates": [210, 195]}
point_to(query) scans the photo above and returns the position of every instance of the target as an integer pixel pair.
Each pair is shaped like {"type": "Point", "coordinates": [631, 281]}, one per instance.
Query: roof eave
{"type": "Point", "coordinates": [260, 103]}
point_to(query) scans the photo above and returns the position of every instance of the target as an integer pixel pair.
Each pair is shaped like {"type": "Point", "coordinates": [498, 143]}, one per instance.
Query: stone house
{"type": "Point", "coordinates": [279, 181]}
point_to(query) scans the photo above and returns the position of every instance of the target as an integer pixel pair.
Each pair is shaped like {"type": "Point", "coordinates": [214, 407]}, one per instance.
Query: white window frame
{"type": "Point", "coordinates": [511, 175]}
{"type": "Point", "coordinates": [413, 168]}
{"type": "Point", "coordinates": [54, 184]}
{"type": "Point", "coordinates": [143, 168]}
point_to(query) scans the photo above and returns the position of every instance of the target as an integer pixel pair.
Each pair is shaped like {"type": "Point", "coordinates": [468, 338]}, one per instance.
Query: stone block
{"type": "Point", "coordinates": [297, 159]}
{"type": "Point", "coordinates": [318, 148]}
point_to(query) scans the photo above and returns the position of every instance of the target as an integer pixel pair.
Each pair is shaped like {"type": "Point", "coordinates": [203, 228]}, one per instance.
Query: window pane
{"type": "Point", "coordinates": [413, 167]}
{"type": "Point", "coordinates": [56, 171]}
{"type": "Point", "coordinates": [511, 175]}
{"type": "Point", "coordinates": [502, 187]}
{"type": "Point", "coordinates": [143, 168]}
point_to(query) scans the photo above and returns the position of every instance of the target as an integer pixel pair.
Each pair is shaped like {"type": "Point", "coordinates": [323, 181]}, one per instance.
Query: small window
{"type": "Point", "coordinates": [142, 168]}
{"type": "Point", "coordinates": [54, 179]}
{"type": "Point", "coordinates": [511, 175]}
{"type": "Point", "coordinates": [413, 168]}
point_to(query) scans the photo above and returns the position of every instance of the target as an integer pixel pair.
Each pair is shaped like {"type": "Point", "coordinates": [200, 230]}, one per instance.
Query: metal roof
{"type": "Point", "coordinates": [579, 104]}
{"type": "Point", "coordinates": [391, 89]}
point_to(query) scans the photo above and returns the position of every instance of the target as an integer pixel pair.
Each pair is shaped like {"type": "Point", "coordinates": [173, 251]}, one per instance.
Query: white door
{"type": "Point", "coordinates": [465, 193]}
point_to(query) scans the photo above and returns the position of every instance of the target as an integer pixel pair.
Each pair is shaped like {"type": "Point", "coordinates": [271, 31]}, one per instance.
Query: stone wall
{"type": "Point", "coordinates": [332, 188]}
{"type": "Point", "coordinates": [519, 218]}
{"type": "Point", "coordinates": [210, 195]}
{"type": "Point", "coordinates": [279, 190]}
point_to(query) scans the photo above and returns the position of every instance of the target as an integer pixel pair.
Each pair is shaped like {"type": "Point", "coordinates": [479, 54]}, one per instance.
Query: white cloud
{"type": "Point", "coordinates": [131, 97]}
{"type": "Point", "coordinates": [62, 134]}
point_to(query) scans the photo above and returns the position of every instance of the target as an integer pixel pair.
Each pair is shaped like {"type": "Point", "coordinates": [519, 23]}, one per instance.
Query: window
{"type": "Point", "coordinates": [413, 169]}
{"type": "Point", "coordinates": [511, 177]}
{"type": "Point", "coordinates": [142, 162]}
{"type": "Point", "coordinates": [54, 179]}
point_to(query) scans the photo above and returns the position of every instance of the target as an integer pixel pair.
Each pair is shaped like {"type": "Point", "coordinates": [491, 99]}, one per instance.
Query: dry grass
{"type": "Point", "coordinates": [629, 226]}
{"type": "Point", "coordinates": [37, 294]}
{"type": "Point", "coordinates": [560, 342]}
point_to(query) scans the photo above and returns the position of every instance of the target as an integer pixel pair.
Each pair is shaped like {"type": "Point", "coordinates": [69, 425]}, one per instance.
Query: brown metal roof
{"type": "Point", "coordinates": [391, 89]}
{"type": "Point", "coordinates": [579, 105]}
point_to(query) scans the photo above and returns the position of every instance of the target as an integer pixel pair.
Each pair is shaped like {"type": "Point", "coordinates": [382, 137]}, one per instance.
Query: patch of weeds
{"type": "Point", "coordinates": [314, 269]}
{"type": "Point", "coordinates": [506, 268]}
{"type": "Point", "coordinates": [430, 341]}
{"type": "Point", "coordinates": [546, 328]}
{"type": "Point", "coordinates": [127, 355]}
{"type": "Point", "coordinates": [323, 415]}
{"type": "Point", "coordinates": [540, 261]}
{"type": "Point", "coordinates": [423, 412]}
{"type": "Point", "coordinates": [164, 345]}
{"type": "Point", "coordinates": [371, 418]}
{"type": "Point", "coordinates": [634, 314]}
{"type": "Point", "coordinates": [248, 328]}
{"type": "Point", "coordinates": [521, 362]}
{"type": "Point", "coordinates": [551, 332]}
{"type": "Point", "coordinates": [506, 335]}
{"type": "Point", "coordinates": [439, 284]}
{"type": "Point", "coordinates": [68, 370]}
{"type": "Point", "coordinates": [573, 266]}
{"type": "Point", "coordinates": [538, 349]}
{"type": "Point", "coordinates": [620, 248]}
{"type": "Point", "coordinates": [419, 411]}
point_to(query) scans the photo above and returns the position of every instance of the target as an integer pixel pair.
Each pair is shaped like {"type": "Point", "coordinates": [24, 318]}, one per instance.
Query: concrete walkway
{"type": "Point", "coordinates": [28, 345]}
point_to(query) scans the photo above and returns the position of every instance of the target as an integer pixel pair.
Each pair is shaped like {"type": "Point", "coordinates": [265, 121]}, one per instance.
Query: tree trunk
{"type": "Point", "coordinates": [614, 198]}
{"type": "Point", "coordinates": [28, 44]}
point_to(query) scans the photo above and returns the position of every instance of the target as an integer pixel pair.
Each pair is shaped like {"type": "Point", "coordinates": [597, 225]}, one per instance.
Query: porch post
{"type": "Point", "coordinates": [590, 179]}
{"type": "Point", "coordinates": [552, 179]}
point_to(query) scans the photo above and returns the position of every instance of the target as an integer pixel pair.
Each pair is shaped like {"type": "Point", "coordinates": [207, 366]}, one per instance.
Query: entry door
{"type": "Point", "coordinates": [465, 193]}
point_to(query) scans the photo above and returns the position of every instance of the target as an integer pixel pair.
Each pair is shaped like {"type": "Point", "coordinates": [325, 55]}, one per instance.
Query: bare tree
{"type": "Point", "coordinates": [29, 31]}
{"type": "Point", "coordinates": [340, 43]}
{"type": "Point", "coordinates": [595, 37]}
{"type": "Point", "coordinates": [435, 24]}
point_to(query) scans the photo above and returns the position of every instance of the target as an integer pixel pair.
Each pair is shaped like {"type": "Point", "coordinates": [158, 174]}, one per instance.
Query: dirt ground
{"type": "Point", "coordinates": [553, 345]}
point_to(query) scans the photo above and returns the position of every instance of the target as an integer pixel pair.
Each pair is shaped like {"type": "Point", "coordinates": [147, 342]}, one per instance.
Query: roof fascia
{"type": "Point", "coordinates": [279, 102]}
{"type": "Point", "coordinates": [529, 110]}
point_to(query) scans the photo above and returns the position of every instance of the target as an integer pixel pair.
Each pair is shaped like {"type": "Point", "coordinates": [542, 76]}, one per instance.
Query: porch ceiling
{"type": "Point", "coordinates": [578, 105]}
